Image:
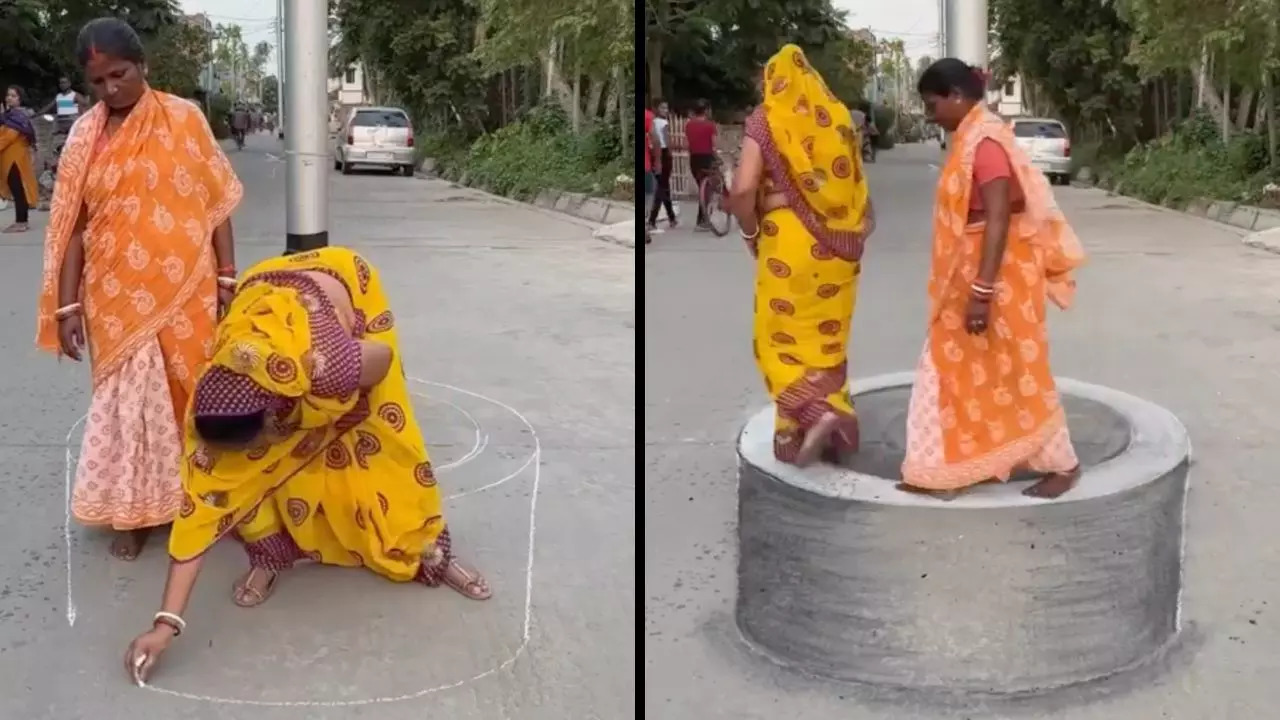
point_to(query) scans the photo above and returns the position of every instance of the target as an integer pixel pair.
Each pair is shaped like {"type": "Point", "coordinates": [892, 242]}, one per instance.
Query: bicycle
{"type": "Point", "coordinates": [713, 197]}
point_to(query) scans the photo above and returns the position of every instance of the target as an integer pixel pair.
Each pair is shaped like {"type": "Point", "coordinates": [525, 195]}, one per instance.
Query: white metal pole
{"type": "Point", "coordinates": [280, 68]}
{"type": "Point", "coordinates": [965, 24]}
{"type": "Point", "coordinates": [306, 154]}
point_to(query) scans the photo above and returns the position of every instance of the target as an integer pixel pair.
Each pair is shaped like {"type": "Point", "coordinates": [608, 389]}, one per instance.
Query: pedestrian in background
{"type": "Point", "coordinates": [984, 402]}
{"type": "Point", "coordinates": [805, 212]}
{"type": "Point", "coordinates": [138, 258]}
{"type": "Point", "coordinates": [17, 145]}
{"type": "Point", "coordinates": [652, 165]}
{"type": "Point", "coordinates": [700, 136]}
{"type": "Point", "coordinates": [66, 106]}
{"type": "Point", "coordinates": [662, 195]}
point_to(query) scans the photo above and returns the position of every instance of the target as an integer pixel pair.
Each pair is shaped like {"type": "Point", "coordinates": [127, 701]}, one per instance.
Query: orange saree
{"type": "Point", "coordinates": [153, 193]}
{"type": "Point", "coordinates": [983, 405]}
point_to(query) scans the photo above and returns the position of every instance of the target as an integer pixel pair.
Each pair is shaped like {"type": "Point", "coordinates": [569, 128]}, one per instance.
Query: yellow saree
{"type": "Point", "coordinates": [341, 480]}
{"type": "Point", "coordinates": [809, 252]}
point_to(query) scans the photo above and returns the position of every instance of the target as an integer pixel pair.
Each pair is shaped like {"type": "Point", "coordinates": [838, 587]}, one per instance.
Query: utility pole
{"type": "Point", "coordinates": [965, 25]}
{"type": "Point", "coordinates": [280, 68]}
{"type": "Point", "coordinates": [307, 135]}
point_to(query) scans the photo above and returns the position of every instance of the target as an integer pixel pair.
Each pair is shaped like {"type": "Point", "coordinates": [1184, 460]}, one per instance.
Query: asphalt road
{"type": "Point", "coordinates": [1171, 308]}
{"type": "Point", "coordinates": [520, 330]}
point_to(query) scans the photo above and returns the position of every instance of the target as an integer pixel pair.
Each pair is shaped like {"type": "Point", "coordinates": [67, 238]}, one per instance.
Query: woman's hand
{"type": "Point", "coordinates": [225, 296]}
{"type": "Point", "coordinates": [71, 335]}
{"type": "Point", "coordinates": [145, 650]}
{"type": "Point", "coordinates": [977, 316]}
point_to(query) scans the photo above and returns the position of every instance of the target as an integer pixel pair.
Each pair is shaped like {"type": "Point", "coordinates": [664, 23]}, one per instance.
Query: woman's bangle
{"type": "Point", "coordinates": [227, 271]}
{"type": "Point", "coordinates": [67, 311]}
{"type": "Point", "coordinates": [752, 236]}
{"type": "Point", "coordinates": [227, 282]}
{"type": "Point", "coordinates": [173, 620]}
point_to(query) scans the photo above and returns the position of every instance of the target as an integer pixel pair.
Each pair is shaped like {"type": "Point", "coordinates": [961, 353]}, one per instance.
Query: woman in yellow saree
{"type": "Point", "coordinates": [301, 442]}
{"type": "Point", "coordinates": [802, 202]}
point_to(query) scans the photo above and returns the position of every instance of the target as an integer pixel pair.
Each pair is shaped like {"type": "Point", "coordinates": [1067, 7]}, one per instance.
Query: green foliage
{"type": "Point", "coordinates": [176, 56]}
{"type": "Point", "coordinates": [1077, 52]}
{"type": "Point", "coordinates": [714, 49]}
{"type": "Point", "coordinates": [219, 109]}
{"type": "Point", "coordinates": [537, 152]}
{"type": "Point", "coordinates": [1194, 162]}
{"type": "Point", "coordinates": [37, 37]}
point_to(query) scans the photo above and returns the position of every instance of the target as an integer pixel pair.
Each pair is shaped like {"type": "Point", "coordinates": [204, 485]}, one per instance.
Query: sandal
{"type": "Point", "coordinates": [467, 583]}
{"type": "Point", "coordinates": [16, 228]}
{"type": "Point", "coordinates": [247, 596]}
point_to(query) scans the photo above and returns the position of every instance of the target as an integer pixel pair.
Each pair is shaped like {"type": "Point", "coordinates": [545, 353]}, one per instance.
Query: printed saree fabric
{"type": "Point", "coordinates": [985, 404]}
{"type": "Point", "coordinates": [348, 477]}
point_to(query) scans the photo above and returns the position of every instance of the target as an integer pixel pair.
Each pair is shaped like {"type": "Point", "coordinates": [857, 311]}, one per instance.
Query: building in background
{"type": "Point", "coordinates": [1004, 96]}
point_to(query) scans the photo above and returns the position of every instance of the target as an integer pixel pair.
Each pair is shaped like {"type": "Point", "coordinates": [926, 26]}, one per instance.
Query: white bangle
{"type": "Point", "coordinates": [228, 282]}
{"type": "Point", "coordinates": [752, 236]}
{"type": "Point", "coordinates": [172, 619]}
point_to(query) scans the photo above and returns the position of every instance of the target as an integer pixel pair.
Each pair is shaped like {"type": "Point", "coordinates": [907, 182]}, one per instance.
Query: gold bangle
{"type": "Point", "coordinates": [67, 311]}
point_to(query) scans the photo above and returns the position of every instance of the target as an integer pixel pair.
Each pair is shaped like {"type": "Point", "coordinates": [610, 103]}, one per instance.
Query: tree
{"type": "Point", "coordinates": [270, 92]}
{"type": "Point", "coordinates": [1076, 53]}
{"type": "Point", "coordinates": [177, 56]}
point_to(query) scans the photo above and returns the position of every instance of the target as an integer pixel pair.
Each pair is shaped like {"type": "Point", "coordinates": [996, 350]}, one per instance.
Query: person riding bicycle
{"type": "Point", "coordinates": [239, 123]}
{"type": "Point", "coordinates": [700, 135]}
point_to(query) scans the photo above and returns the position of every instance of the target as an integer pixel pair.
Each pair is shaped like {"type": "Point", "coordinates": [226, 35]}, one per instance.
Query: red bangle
{"type": "Point", "coordinates": [228, 271]}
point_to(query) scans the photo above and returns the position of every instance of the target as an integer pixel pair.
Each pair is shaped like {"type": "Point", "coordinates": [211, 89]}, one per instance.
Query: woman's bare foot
{"type": "Point", "coordinates": [16, 228]}
{"type": "Point", "coordinates": [815, 440]}
{"type": "Point", "coordinates": [255, 587]}
{"type": "Point", "coordinates": [467, 582]}
{"type": "Point", "coordinates": [1053, 485]}
{"type": "Point", "coordinates": [128, 543]}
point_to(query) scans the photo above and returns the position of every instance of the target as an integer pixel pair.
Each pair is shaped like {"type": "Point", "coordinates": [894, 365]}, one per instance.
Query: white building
{"type": "Point", "coordinates": [1006, 98]}
{"type": "Point", "coordinates": [348, 89]}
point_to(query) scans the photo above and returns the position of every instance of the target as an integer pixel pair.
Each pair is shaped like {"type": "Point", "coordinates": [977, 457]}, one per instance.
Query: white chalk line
{"type": "Point", "coordinates": [479, 442]}
{"type": "Point", "coordinates": [526, 630]}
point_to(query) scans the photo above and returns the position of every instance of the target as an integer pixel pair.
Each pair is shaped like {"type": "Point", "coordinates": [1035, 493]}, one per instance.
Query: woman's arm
{"type": "Point", "coordinates": [375, 363]}
{"type": "Point", "coordinates": [178, 585]}
{"type": "Point", "coordinates": [73, 262]}
{"type": "Point", "coordinates": [224, 245]}
{"type": "Point", "coordinates": [746, 184]}
{"type": "Point", "coordinates": [995, 202]}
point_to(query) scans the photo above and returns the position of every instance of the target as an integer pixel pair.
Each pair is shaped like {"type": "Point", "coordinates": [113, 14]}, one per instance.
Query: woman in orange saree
{"type": "Point", "coordinates": [17, 176]}
{"type": "Point", "coordinates": [138, 259]}
{"type": "Point", "coordinates": [984, 401]}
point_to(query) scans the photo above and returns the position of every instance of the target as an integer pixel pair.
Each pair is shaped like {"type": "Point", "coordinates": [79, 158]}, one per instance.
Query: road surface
{"type": "Point", "coordinates": [1170, 308]}
{"type": "Point", "coordinates": [521, 330]}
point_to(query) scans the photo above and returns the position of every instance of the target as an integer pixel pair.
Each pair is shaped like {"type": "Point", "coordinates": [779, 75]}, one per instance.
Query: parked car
{"type": "Point", "coordinates": [376, 137]}
{"type": "Point", "coordinates": [1047, 144]}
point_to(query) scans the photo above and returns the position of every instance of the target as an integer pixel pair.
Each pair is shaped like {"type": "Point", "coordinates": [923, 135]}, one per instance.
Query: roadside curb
{"type": "Point", "coordinates": [1261, 225]}
{"type": "Point", "coordinates": [602, 216]}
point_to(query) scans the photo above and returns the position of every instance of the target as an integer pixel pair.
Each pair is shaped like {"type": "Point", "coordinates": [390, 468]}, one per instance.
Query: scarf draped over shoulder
{"type": "Point", "coordinates": [813, 154]}
{"type": "Point", "coordinates": [153, 193]}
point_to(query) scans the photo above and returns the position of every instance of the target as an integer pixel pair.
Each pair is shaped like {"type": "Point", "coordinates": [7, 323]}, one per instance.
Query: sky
{"type": "Point", "coordinates": [255, 18]}
{"type": "Point", "coordinates": [914, 21]}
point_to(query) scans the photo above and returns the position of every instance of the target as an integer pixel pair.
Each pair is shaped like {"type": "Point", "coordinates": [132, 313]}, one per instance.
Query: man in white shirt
{"type": "Point", "coordinates": [662, 198]}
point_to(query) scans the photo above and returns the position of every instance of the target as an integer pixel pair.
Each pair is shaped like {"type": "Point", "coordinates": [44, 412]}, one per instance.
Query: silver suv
{"type": "Point", "coordinates": [377, 137]}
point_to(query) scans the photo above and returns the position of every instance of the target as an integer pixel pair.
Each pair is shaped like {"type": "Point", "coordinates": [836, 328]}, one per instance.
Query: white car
{"type": "Point", "coordinates": [379, 137]}
{"type": "Point", "coordinates": [1048, 145]}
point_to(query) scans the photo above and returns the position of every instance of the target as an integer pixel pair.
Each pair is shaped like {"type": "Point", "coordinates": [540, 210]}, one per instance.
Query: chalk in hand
{"type": "Point", "coordinates": [138, 661]}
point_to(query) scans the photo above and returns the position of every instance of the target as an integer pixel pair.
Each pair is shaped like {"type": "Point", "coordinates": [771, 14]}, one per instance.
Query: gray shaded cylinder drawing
{"type": "Point", "coordinates": [842, 576]}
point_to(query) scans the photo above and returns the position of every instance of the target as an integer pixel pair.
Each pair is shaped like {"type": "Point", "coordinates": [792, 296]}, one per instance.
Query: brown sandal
{"type": "Point", "coordinates": [1054, 485]}
{"type": "Point", "coordinates": [468, 584]}
{"type": "Point", "coordinates": [247, 596]}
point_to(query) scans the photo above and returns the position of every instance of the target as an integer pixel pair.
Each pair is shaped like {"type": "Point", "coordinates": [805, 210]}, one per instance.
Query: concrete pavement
{"type": "Point", "coordinates": [520, 329]}
{"type": "Point", "coordinates": [1171, 308]}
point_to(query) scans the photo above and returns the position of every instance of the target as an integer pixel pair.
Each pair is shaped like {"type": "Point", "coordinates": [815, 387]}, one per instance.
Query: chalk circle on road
{"type": "Point", "coordinates": [842, 576]}
{"type": "Point", "coordinates": [458, 427]}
